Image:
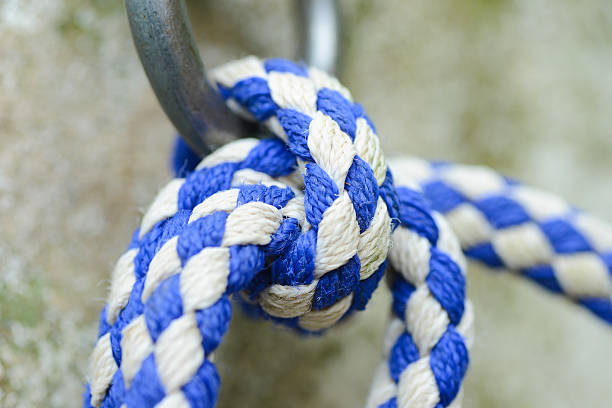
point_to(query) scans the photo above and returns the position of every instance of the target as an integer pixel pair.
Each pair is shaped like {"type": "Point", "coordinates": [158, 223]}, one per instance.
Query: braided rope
{"type": "Point", "coordinates": [507, 225]}
{"type": "Point", "coordinates": [304, 250]}
{"type": "Point", "coordinates": [422, 340]}
{"type": "Point", "coordinates": [298, 230]}
{"type": "Point", "coordinates": [426, 344]}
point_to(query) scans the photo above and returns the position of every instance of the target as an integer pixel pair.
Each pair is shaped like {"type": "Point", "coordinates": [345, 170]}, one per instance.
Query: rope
{"type": "Point", "coordinates": [427, 341]}
{"type": "Point", "coordinates": [507, 225]}
{"type": "Point", "coordinates": [304, 250]}
{"type": "Point", "coordinates": [436, 324]}
{"type": "Point", "coordinates": [297, 229]}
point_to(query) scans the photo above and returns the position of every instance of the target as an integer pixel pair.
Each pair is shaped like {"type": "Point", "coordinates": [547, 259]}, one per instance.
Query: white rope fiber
{"type": "Point", "coordinates": [298, 228]}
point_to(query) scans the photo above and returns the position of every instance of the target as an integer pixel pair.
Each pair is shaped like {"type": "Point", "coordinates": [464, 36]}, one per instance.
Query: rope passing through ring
{"type": "Point", "coordinates": [297, 228]}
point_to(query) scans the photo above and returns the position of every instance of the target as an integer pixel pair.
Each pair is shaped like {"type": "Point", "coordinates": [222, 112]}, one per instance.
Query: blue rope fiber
{"type": "Point", "coordinates": [287, 259]}
{"type": "Point", "coordinates": [503, 211]}
{"type": "Point", "coordinates": [448, 358]}
{"type": "Point", "coordinates": [445, 282]}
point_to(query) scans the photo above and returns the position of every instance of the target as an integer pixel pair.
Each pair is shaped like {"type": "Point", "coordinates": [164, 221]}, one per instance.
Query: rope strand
{"type": "Point", "coordinates": [298, 228]}
{"type": "Point", "coordinates": [507, 225]}
{"type": "Point", "coordinates": [431, 331]}
{"type": "Point", "coordinates": [300, 225]}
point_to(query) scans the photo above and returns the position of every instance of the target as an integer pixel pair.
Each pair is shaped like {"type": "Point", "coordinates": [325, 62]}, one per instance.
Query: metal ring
{"type": "Point", "coordinates": [169, 54]}
{"type": "Point", "coordinates": [320, 29]}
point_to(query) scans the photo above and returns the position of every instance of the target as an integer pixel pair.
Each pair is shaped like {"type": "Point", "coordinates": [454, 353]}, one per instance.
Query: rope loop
{"type": "Point", "coordinates": [297, 228]}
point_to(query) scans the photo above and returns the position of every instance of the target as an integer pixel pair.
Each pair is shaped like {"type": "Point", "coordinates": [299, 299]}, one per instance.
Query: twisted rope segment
{"type": "Point", "coordinates": [507, 225]}
{"type": "Point", "coordinates": [305, 251]}
{"type": "Point", "coordinates": [298, 230]}
{"type": "Point", "coordinates": [426, 344]}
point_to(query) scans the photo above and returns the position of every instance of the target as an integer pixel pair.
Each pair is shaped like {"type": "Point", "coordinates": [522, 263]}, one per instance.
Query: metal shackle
{"type": "Point", "coordinates": [169, 54]}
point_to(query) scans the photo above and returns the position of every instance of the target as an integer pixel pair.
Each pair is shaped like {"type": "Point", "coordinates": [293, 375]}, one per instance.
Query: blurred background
{"type": "Point", "coordinates": [524, 86]}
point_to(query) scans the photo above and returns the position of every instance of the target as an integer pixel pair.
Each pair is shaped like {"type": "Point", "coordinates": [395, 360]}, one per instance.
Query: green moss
{"type": "Point", "coordinates": [24, 306]}
{"type": "Point", "coordinates": [74, 23]}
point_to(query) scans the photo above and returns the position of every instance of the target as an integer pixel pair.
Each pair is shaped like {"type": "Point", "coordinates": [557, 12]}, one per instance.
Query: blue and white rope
{"type": "Point", "coordinates": [430, 328]}
{"type": "Point", "coordinates": [431, 331]}
{"type": "Point", "coordinates": [298, 229]}
{"type": "Point", "coordinates": [507, 225]}
{"type": "Point", "coordinates": [302, 229]}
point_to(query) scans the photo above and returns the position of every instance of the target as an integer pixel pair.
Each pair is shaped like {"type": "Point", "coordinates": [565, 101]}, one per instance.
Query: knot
{"type": "Point", "coordinates": [298, 227]}
{"type": "Point", "coordinates": [334, 262]}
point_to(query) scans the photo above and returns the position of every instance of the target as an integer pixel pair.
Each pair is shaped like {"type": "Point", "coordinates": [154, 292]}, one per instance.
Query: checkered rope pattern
{"type": "Point", "coordinates": [431, 332]}
{"type": "Point", "coordinates": [427, 341]}
{"type": "Point", "coordinates": [298, 228]}
{"type": "Point", "coordinates": [507, 225]}
{"type": "Point", "coordinates": [300, 225]}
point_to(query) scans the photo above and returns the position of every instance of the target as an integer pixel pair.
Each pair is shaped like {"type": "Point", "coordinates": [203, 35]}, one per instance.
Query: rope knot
{"type": "Point", "coordinates": [298, 227]}
{"type": "Point", "coordinates": [334, 262]}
